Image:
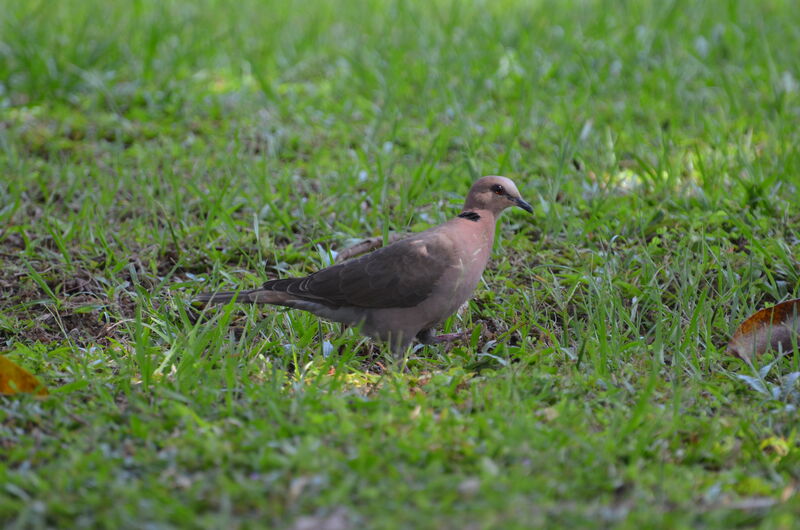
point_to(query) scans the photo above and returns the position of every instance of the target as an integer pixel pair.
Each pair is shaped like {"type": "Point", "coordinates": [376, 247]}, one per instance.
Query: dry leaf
{"type": "Point", "coordinates": [367, 245]}
{"type": "Point", "coordinates": [14, 379]}
{"type": "Point", "coordinates": [773, 328]}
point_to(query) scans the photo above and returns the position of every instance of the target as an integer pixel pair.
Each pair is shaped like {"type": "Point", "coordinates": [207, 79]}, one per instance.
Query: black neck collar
{"type": "Point", "coordinates": [472, 216]}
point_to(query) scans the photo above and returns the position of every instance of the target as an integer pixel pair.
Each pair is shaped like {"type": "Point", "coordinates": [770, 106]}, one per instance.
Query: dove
{"type": "Point", "coordinates": [402, 291]}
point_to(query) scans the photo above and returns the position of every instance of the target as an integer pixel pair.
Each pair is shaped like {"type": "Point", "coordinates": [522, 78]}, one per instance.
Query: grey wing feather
{"type": "Point", "coordinates": [402, 274]}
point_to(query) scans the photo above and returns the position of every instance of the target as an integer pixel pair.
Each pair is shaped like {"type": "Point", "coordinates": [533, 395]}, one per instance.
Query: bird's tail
{"type": "Point", "coordinates": [221, 297]}
{"type": "Point", "coordinates": [253, 296]}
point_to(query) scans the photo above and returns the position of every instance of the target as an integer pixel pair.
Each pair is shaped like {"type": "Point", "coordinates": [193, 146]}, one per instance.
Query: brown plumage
{"type": "Point", "coordinates": [403, 290]}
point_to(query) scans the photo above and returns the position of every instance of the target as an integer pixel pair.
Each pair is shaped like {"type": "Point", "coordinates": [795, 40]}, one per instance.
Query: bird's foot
{"type": "Point", "coordinates": [450, 337]}
{"type": "Point", "coordinates": [426, 337]}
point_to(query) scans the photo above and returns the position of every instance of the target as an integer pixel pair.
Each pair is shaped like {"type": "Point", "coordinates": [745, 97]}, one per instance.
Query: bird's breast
{"type": "Point", "coordinates": [465, 273]}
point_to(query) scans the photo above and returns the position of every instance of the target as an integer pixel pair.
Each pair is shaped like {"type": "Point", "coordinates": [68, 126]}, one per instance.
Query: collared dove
{"type": "Point", "coordinates": [403, 290]}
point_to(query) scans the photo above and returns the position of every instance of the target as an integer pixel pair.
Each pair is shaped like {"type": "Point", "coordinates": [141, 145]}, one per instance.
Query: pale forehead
{"type": "Point", "coordinates": [507, 183]}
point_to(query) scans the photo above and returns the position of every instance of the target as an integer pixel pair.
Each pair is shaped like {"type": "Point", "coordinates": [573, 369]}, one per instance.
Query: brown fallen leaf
{"type": "Point", "coordinates": [772, 328]}
{"type": "Point", "coordinates": [364, 246]}
{"type": "Point", "coordinates": [14, 379]}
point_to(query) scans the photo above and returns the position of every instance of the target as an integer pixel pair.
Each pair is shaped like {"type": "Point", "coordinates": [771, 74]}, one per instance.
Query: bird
{"type": "Point", "coordinates": [402, 291]}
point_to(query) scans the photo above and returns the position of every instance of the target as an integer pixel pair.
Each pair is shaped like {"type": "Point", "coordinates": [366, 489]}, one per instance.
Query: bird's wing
{"type": "Point", "coordinates": [402, 274]}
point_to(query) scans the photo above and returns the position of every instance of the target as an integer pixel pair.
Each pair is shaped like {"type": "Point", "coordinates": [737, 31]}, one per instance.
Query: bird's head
{"type": "Point", "coordinates": [494, 194]}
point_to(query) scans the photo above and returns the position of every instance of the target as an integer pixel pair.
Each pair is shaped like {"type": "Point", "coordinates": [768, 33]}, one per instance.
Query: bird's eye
{"type": "Point", "coordinates": [498, 189]}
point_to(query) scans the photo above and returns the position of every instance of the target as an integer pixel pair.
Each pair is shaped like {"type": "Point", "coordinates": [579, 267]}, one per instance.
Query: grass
{"type": "Point", "coordinates": [152, 150]}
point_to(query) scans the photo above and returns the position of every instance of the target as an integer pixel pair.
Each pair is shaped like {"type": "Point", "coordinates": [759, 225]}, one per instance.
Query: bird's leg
{"type": "Point", "coordinates": [451, 337]}
{"type": "Point", "coordinates": [427, 337]}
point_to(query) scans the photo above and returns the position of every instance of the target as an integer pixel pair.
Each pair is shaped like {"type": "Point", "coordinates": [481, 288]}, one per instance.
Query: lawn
{"type": "Point", "coordinates": [151, 150]}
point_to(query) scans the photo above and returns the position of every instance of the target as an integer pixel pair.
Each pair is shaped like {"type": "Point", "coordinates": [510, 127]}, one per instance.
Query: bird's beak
{"type": "Point", "coordinates": [522, 204]}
